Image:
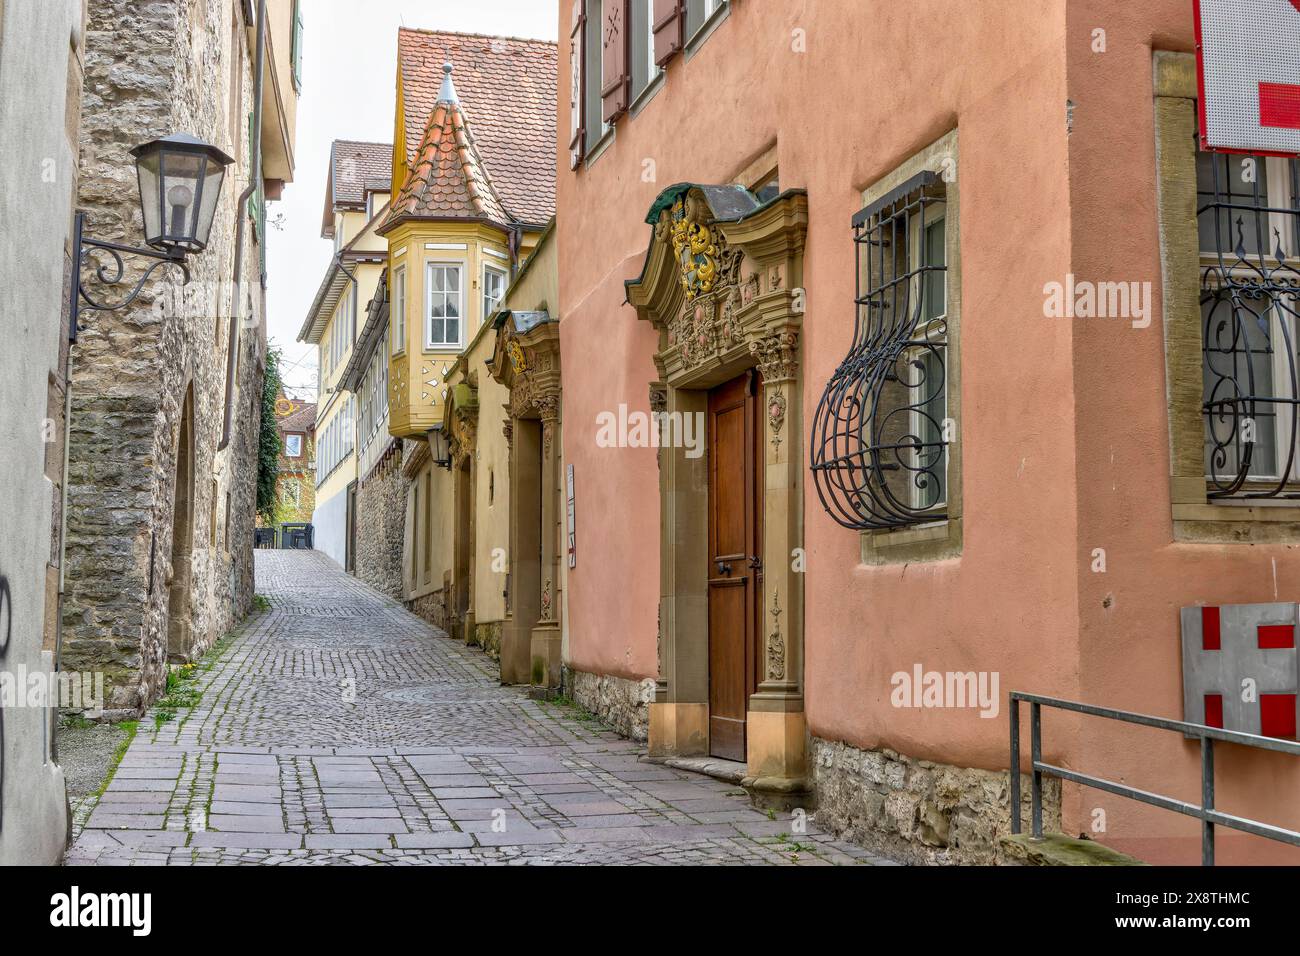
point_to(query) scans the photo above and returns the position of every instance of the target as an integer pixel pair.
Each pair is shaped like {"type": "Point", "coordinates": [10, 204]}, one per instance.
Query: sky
{"type": "Point", "coordinates": [349, 89]}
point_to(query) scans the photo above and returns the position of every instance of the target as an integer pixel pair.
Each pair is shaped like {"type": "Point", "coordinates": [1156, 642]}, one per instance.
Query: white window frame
{"type": "Point", "coordinates": [489, 269]}
{"type": "Point", "coordinates": [429, 267]}
{"type": "Point", "coordinates": [291, 441]}
{"type": "Point", "coordinates": [399, 307]}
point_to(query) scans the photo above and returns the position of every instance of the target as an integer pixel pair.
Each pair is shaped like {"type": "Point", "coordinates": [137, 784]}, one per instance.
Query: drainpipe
{"type": "Point", "coordinates": [516, 241]}
{"type": "Point", "coordinates": [63, 548]}
{"type": "Point", "coordinates": [241, 208]}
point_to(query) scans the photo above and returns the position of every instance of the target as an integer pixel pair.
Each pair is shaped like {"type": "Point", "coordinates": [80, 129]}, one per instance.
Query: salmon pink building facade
{"type": "Point", "coordinates": [943, 310]}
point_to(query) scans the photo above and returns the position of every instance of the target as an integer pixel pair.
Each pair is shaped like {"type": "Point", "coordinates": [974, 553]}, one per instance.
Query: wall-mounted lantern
{"type": "Point", "coordinates": [180, 183]}
{"type": "Point", "coordinates": [440, 448]}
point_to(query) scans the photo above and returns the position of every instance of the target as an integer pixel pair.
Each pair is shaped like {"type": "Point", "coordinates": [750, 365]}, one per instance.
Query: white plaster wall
{"type": "Point", "coordinates": [36, 185]}
{"type": "Point", "coordinates": [330, 519]}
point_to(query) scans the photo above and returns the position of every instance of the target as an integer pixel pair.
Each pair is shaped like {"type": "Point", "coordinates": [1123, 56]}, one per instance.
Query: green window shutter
{"type": "Point", "coordinates": [257, 202]}
{"type": "Point", "coordinates": [295, 55]}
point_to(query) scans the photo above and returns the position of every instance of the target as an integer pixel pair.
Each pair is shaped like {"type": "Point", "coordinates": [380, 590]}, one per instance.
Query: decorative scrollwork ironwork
{"type": "Point", "coordinates": [111, 274]}
{"type": "Point", "coordinates": [879, 436]}
{"type": "Point", "coordinates": [115, 277]}
{"type": "Point", "coordinates": [1250, 304]}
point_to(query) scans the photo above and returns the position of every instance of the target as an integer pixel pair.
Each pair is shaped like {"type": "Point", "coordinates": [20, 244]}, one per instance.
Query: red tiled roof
{"type": "Point", "coordinates": [354, 168]}
{"type": "Point", "coordinates": [447, 179]}
{"type": "Point", "coordinates": [507, 90]}
{"type": "Point", "coordinates": [299, 420]}
{"type": "Point", "coordinates": [354, 165]}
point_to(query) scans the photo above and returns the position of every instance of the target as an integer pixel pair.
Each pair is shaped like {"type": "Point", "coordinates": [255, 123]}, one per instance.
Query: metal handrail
{"type": "Point", "coordinates": [1204, 811]}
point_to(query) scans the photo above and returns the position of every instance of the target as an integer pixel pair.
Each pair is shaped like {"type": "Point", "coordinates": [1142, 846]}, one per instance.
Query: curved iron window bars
{"type": "Point", "coordinates": [880, 433]}
{"type": "Point", "coordinates": [1248, 212]}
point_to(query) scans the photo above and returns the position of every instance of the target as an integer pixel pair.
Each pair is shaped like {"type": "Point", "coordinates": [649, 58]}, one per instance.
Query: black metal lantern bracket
{"type": "Point", "coordinates": [112, 276]}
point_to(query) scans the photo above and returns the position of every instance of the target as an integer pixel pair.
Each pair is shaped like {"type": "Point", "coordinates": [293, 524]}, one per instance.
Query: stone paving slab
{"type": "Point", "coordinates": [336, 728]}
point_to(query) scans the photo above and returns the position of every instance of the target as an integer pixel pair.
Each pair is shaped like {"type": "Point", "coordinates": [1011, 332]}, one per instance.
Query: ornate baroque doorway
{"type": "Point", "coordinates": [526, 360]}
{"type": "Point", "coordinates": [722, 285]}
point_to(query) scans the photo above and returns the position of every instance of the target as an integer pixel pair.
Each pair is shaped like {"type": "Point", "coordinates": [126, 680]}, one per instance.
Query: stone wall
{"type": "Point", "coordinates": [433, 608]}
{"type": "Point", "coordinates": [916, 811]}
{"type": "Point", "coordinates": [153, 69]}
{"type": "Point", "coordinates": [381, 525]}
{"type": "Point", "coordinates": [623, 704]}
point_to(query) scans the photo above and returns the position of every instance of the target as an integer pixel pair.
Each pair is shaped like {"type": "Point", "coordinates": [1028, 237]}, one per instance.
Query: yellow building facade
{"type": "Point", "coordinates": [473, 190]}
{"type": "Point", "coordinates": [356, 202]}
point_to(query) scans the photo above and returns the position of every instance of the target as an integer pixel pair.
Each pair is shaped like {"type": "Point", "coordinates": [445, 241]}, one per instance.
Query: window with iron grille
{"type": "Point", "coordinates": [1248, 218]}
{"type": "Point", "coordinates": [880, 435]}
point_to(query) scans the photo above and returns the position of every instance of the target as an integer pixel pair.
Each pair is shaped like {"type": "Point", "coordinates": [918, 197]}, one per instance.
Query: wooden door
{"type": "Point", "coordinates": [734, 569]}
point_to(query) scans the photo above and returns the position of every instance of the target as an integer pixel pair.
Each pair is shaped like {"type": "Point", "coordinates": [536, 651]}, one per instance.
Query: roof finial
{"type": "Point", "coordinates": [448, 92]}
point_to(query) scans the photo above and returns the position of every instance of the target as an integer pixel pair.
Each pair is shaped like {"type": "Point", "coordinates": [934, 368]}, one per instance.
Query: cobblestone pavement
{"type": "Point", "coordinates": [336, 727]}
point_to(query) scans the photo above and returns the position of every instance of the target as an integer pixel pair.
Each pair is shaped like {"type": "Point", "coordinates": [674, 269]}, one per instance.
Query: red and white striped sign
{"type": "Point", "coordinates": [1248, 69]}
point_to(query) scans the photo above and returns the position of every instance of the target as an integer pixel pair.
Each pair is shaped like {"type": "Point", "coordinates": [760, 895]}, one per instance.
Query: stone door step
{"type": "Point", "coordinates": [728, 771]}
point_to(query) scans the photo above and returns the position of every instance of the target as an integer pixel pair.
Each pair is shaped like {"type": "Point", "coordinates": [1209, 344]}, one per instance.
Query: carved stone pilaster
{"type": "Point", "coordinates": [722, 287]}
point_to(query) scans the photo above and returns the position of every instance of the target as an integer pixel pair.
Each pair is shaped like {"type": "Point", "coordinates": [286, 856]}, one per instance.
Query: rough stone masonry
{"type": "Point", "coordinates": [151, 70]}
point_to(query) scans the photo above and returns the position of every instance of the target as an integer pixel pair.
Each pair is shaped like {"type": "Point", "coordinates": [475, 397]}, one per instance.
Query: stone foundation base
{"type": "Point", "coordinates": [488, 637]}
{"type": "Point", "coordinates": [434, 608]}
{"type": "Point", "coordinates": [623, 704]}
{"type": "Point", "coordinates": [915, 811]}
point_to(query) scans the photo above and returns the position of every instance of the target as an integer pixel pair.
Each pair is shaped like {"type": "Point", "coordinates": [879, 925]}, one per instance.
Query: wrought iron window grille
{"type": "Point", "coordinates": [1248, 214]}
{"type": "Point", "coordinates": [879, 442]}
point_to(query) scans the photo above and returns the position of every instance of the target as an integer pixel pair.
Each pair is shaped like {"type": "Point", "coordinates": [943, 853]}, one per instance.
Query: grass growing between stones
{"type": "Point", "coordinates": [571, 709]}
{"type": "Point", "coordinates": [78, 722]}
{"type": "Point", "coordinates": [261, 603]}
{"type": "Point", "coordinates": [130, 727]}
{"type": "Point", "coordinates": [182, 690]}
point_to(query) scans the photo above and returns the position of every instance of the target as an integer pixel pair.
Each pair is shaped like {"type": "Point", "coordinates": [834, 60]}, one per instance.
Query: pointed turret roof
{"type": "Point", "coordinates": [447, 178]}
{"type": "Point", "coordinates": [507, 88]}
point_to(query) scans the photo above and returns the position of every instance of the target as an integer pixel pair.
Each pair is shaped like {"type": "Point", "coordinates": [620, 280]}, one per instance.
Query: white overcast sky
{"type": "Point", "coordinates": [349, 88]}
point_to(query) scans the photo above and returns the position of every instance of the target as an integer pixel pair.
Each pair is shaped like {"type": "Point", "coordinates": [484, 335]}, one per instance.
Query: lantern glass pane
{"type": "Point", "coordinates": [214, 174]}
{"type": "Point", "coordinates": [147, 168]}
{"type": "Point", "coordinates": [180, 183]}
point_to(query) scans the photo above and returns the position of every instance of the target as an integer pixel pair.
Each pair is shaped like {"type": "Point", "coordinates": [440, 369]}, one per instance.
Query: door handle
{"type": "Point", "coordinates": [755, 563]}
{"type": "Point", "coordinates": [724, 567]}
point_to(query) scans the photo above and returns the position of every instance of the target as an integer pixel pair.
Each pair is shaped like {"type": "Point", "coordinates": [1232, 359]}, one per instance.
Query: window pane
{"type": "Point", "coordinates": [931, 459]}
{"type": "Point", "coordinates": [592, 74]}
{"type": "Point", "coordinates": [1238, 371]}
{"type": "Point", "coordinates": [452, 279]}
{"type": "Point", "coordinates": [436, 331]}
{"type": "Point", "coordinates": [453, 331]}
{"type": "Point", "coordinates": [1241, 181]}
{"type": "Point", "coordinates": [453, 305]}
{"type": "Point", "coordinates": [936, 256]}
{"type": "Point", "coordinates": [642, 45]}
{"type": "Point", "coordinates": [768, 191]}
